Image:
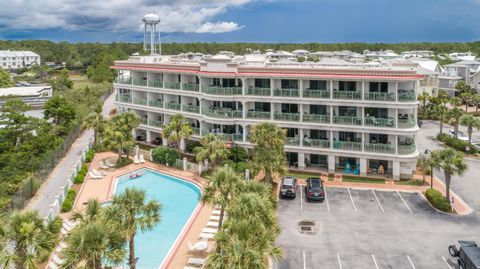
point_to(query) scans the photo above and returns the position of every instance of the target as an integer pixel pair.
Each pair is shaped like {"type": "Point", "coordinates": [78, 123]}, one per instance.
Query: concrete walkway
{"type": "Point", "coordinates": [45, 196]}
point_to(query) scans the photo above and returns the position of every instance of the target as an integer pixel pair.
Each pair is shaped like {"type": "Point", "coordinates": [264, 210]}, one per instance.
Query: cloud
{"type": "Point", "coordinates": [192, 16]}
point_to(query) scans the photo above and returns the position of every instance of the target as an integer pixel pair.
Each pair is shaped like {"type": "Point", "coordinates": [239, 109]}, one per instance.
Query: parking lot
{"type": "Point", "coordinates": [365, 228]}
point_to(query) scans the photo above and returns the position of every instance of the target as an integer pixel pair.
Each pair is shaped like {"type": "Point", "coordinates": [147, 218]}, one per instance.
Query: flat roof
{"type": "Point", "coordinates": [24, 91]}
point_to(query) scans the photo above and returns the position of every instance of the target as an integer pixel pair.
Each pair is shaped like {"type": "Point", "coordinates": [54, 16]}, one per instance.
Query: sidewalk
{"type": "Point", "coordinates": [45, 196]}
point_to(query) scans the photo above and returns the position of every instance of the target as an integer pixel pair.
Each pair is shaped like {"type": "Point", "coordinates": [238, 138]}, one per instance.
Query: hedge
{"type": "Point", "coordinates": [438, 201]}
{"type": "Point", "coordinates": [456, 143]}
{"type": "Point", "coordinates": [68, 202]}
{"type": "Point", "coordinates": [165, 155]}
{"type": "Point", "coordinates": [89, 156]}
{"type": "Point", "coordinates": [81, 175]}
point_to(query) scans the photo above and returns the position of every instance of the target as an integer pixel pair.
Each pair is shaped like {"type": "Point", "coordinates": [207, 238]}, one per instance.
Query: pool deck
{"type": "Point", "coordinates": [103, 190]}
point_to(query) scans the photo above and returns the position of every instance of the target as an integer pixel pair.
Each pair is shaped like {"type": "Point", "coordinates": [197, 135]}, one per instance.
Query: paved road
{"type": "Point", "coordinates": [58, 178]}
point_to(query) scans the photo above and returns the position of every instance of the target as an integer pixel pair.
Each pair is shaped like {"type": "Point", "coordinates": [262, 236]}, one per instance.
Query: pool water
{"type": "Point", "coordinates": [179, 199]}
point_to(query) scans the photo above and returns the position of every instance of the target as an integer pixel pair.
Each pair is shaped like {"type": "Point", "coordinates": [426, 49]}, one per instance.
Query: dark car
{"type": "Point", "coordinates": [315, 190]}
{"type": "Point", "coordinates": [288, 189]}
{"type": "Point", "coordinates": [468, 255]}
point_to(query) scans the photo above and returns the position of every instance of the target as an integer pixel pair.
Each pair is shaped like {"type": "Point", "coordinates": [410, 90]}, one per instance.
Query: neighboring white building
{"type": "Point", "coordinates": [333, 113]}
{"type": "Point", "coordinates": [461, 56]}
{"type": "Point", "coordinates": [18, 59]}
{"type": "Point", "coordinates": [466, 71]}
{"type": "Point", "coordinates": [301, 53]}
{"type": "Point", "coordinates": [33, 95]}
{"type": "Point", "coordinates": [382, 54]}
{"type": "Point", "coordinates": [417, 54]}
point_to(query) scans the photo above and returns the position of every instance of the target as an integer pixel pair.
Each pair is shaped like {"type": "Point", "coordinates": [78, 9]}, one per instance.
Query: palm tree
{"type": "Point", "coordinates": [424, 97]}
{"type": "Point", "coordinates": [455, 101]}
{"type": "Point", "coordinates": [470, 122]}
{"type": "Point", "coordinates": [452, 163]}
{"type": "Point", "coordinates": [25, 238]}
{"type": "Point", "coordinates": [466, 97]}
{"type": "Point", "coordinates": [454, 116]}
{"type": "Point", "coordinates": [93, 243]}
{"type": "Point", "coordinates": [222, 185]}
{"type": "Point", "coordinates": [213, 149]}
{"type": "Point", "coordinates": [95, 121]}
{"type": "Point", "coordinates": [424, 162]}
{"type": "Point", "coordinates": [115, 139]}
{"type": "Point", "coordinates": [92, 212]}
{"type": "Point", "coordinates": [132, 212]}
{"type": "Point", "coordinates": [476, 101]}
{"type": "Point", "coordinates": [268, 150]}
{"type": "Point", "coordinates": [440, 113]}
{"type": "Point", "coordinates": [177, 130]}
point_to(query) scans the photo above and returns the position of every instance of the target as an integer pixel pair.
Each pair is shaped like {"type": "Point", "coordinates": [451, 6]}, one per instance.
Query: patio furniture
{"type": "Point", "coordinates": [136, 160]}
{"type": "Point", "coordinates": [209, 230]}
{"type": "Point", "coordinates": [141, 158]}
{"type": "Point", "coordinates": [214, 218]}
{"type": "Point", "coordinates": [201, 245]}
{"type": "Point", "coordinates": [93, 176]}
{"type": "Point", "coordinates": [381, 170]}
{"type": "Point", "coordinates": [207, 236]}
{"type": "Point", "coordinates": [99, 173]}
{"type": "Point", "coordinates": [196, 261]}
{"type": "Point", "coordinates": [212, 224]}
{"type": "Point", "coordinates": [348, 168]}
{"type": "Point", "coordinates": [216, 212]}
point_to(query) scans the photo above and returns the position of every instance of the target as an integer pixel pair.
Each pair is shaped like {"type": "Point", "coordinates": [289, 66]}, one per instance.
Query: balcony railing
{"type": "Point", "coordinates": [406, 149]}
{"type": "Point", "coordinates": [140, 101]}
{"type": "Point", "coordinates": [286, 92]}
{"type": "Point", "coordinates": [171, 85]}
{"type": "Point", "coordinates": [406, 96]}
{"type": "Point", "coordinates": [127, 81]}
{"type": "Point", "coordinates": [124, 98]}
{"type": "Point", "coordinates": [155, 103]}
{"type": "Point", "coordinates": [258, 114]}
{"type": "Point", "coordinates": [379, 122]}
{"type": "Point", "coordinates": [196, 131]}
{"type": "Point", "coordinates": [382, 148]}
{"type": "Point", "coordinates": [155, 123]}
{"type": "Point", "coordinates": [156, 83]}
{"type": "Point", "coordinates": [222, 113]}
{"type": "Point", "coordinates": [174, 106]}
{"type": "Point", "coordinates": [286, 116]}
{"type": "Point", "coordinates": [190, 108]}
{"type": "Point", "coordinates": [258, 91]}
{"type": "Point", "coordinates": [346, 145]}
{"type": "Point", "coordinates": [407, 123]}
{"type": "Point", "coordinates": [140, 82]}
{"type": "Point", "coordinates": [316, 143]}
{"type": "Point", "coordinates": [293, 141]}
{"type": "Point", "coordinates": [232, 137]}
{"type": "Point", "coordinates": [190, 87]}
{"type": "Point", "coordinates": [380, 96]}
{"type": "Point", "coordinates": [350, 95]}
{"type": "Point", "coordinates": [222, 90]}
{"type": "Point", "coordinates": [144, 121]}
{"type": "Point", "coordinates": [347, 120]}
{"type": "Point", "coordinates": [316, 93]}
{"type": "Point", "coordinates": [316, 118]}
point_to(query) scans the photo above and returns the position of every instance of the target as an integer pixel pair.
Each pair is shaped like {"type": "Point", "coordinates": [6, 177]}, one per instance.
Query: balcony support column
{"type": "Point", "coordinates": [396, 91]}
{"type": "Point", "coordinates": [301, 112]}
{"type": "Point", "coordinates": [330, 138]}
{"type": "Point", "coordinates": [363, 91]}
{"type": "Point", "coordinates": [396, 144]}
{"type": "Point", "coordinates": [396, 170]}
{"type": "Point", "coordinates": [363, 166]}
{"type": "Point", "coordinates": [245, 133]}
{"type": "Point", "coordinates": [244, 87]}
{"type": "Point", "coordinates": [396, 118]}
{"type": "Point", "coordinates": [272, 86]}
{"type": "Point", "coordinates": [331, 164]}
{"type": "Point", "coordinates": [300, 133]}
{"type": "Point", "coordinates": [300, 88]}
{"type": "Point", "coordinates": [363, 141]}
{"type": "Point", "coordinates": [148, 137]}
{"type": "Point", "coordinates": [301, 161]}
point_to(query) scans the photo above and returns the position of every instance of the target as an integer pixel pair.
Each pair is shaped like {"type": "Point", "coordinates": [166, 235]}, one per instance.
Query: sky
{"type": "Point", "coordinates": [269, 21]}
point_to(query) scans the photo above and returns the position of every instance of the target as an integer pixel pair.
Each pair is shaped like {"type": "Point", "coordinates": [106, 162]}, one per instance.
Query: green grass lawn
{"type": "Point", "coordinates": [303, 175]}
{"type": "Point", "coordinates": [363, 180]}
{"type": "Point", "coordinates": [411, 182]}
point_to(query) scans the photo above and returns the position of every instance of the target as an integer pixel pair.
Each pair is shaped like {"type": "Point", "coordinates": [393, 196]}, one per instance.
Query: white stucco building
{"type": "Point", "coordinates": [334, 113]}
{"type": "Point", "coordinates": [18, 59]}
{"type": "Point", "coordinates": [35, 96]}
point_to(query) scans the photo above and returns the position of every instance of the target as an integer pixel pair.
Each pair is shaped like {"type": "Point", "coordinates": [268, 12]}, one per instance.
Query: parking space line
{"type": "Point", "coordinates": [339, 261]}
{"type": "Point", "coordinates": [374, 261]}
{"type": "Point", "coordinates": [301, 199]}
{"type": "Point", "coordinates": [326, 200]}
{"type": "Point", "coordinates": [381, 207]}
{"type": "Point", "coordinates": [304, 261]}
{"type": "Point", "coordinates": [351, 198]}
{"type": "Point", "coordinates": [445, 260]}
{"type": "Point", "coordinates": [411, 263]}
{"type": "Point", "coordinates": [405, 202]}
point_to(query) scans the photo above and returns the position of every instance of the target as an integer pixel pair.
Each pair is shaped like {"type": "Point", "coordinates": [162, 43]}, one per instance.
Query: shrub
{"type": "Point", "coordinates": [191, 145]}
{"type": "Point", "coordinates": [165, 155]}
{"type": "Point", "coordinates": [81, 175]}
{"type": "Point", "coordinates": [68, 202]}
{"type": "Point", "coordinates": [89, 156]}
{"type": "Point", "coordinates": [123, 162]}
{"type": "Point", "coordinates": [456, 143]}
{"type": "Point", "coordinates": [438, 200]}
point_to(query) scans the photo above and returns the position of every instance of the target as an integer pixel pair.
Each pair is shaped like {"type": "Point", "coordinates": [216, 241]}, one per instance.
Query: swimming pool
{"type": "Point", "coordinates": [179, 199]}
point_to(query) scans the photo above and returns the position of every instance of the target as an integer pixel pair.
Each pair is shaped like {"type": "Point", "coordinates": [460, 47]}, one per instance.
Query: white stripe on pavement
{"type": "Point", "coordinates": [411, 263]}
{"type": "Point", "coordinates": [304, 261]}
{"type": "Point", "coordinates": [374, 261]}
{"type": "Point", "coordinates": [405, 202]}
{"type": "Point", "coordinates": [326, 200]}
{"type": "Point", "coordinates": [301, 198]}
{"type": "Point", "coordinates": [351, 198]}
{"type": "Point", "coordinates": [445, 260]}
{"type": "Point", "coordinates": [381, 207]}
{"type": "Point", "coordinates": [339, 261]}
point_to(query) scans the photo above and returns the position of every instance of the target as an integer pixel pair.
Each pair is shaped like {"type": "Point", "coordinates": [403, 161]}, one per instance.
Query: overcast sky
{"type": "Point", "coordinates": [244, 20]}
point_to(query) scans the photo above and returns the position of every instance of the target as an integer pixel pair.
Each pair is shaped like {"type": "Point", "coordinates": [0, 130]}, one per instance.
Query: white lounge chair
{"type": "Point", "coordinates": [214, 218]}
{"type": "Point", "coordinates": [109, 164]}
{"type": "Point", "coordinates": [141, 158]}
{"type": "Point", "coordinates": [99, 173]}
{"type": "Point", "coordinates": [191, 247]}
{"type": "Point", "coordinates": [209, 230]}
{"type": "Point", "coordinates": [135, 159]}
{"type": "Point", "coordinates": [92, 175]}
{"type": "Point", "coordinates": [52, 265]}
{"type": "Point", "coordinates": [205, 236]}
{"type": "Point", "coordinates": [57, 260]}
{"type": "Point", "coordinates": [63, 231]}
{"type": "Point", "coordinates": [102, 165]}
{"type": "Point", "coordinates": [216, 212]}
{"type": "Point", "coordinates": [212, 224]}
{"type": "Point", "coordinates": [196, 261]}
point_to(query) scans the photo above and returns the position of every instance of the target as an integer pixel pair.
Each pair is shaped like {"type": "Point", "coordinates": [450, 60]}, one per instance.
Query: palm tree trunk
{"type": "Point", "coordinates": [470, 130]}
{"type": "Point", "coordinates": [447, 185]}
{"type": "Point", "coordinates": [132, 261]}
{"type": "Point", "coordinates": [441, 127]}
{"type": "Point", "coordinates": [20, 263]}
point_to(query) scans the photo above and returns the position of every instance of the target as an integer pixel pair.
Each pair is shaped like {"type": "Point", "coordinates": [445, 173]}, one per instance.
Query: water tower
{"type": "Point", "coordinates": [151, 20]}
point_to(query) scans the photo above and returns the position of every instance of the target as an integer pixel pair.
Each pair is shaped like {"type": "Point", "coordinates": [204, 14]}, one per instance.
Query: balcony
{"type": "Point", "coordinates": [382, 148]}
{"type": "Point", "coordinates": [380, 96]}
{"type": "Point", "coordinates": [316, 93]}
{"type": "Point", "coordinates": [143, 121]}
{"type": "Point", "coordinates": [292, 141]}
{"type": "Point", "coordinates": [316, 118]}
{"type": "Point", "coordinates": [232, 137]}
{"type": "Point", "coordinates": [225, 114]}
{"type": "Point", "coordinates": [258, 114]}
{"type": "Point", "coordinates": [258, 91]}
{"type": "Point", "coordinates": [124, 98]}
{"type": "Point", "coordinates": [286, 92]}
{"type": "Point", "coordinates": [346, 145]}
{"type": "Point", "coordinates": [222, 90]}
{"type": "Point", "coordinates": [192, 87]}
{"type": "Point", "coordinates": [140, 82]}
{"type": "Point", "coordinates": [379, 122]}
{"type": "Point", "coordinates": [190, 108]}
{"type": "Point", "coordinates": [140, 101]}
{"type": "Point", "coordinates": [405, 122]}
{"type": "Point", "coordinates": [406, 96]}
{"type": "Point", "coordinates": [347, 120]}
{"type": "Point", "coordinates": [173, 106]}
{"type": "Point", "coordinates": [286, 116]}
{"type": "Point", "coordinates": [196, 131]}
{"type": "Point", "coordinates": [155, 103]}
{"type": "Point", "coordinates": [156, 83]}
{"type": "Point", "coordinates": [406, 149]}
{"type": "Point", "coordinates": [348, 95]}
{"type": "Point", "coordinates": [171, 85]}
{"type": "Point", "coordinates": [155, 123]}
{"type": "Point", "coordinates": [316, 143]}
{"type": "Point", "coordinates": [126, 81]}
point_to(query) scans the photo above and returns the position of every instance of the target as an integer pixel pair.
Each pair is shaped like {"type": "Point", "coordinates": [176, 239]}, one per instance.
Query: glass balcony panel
{"type": "Point", "coordinates": [287, 116]}
{"type": "Point", "coordinates": [222, 113]}
{"type": "Point", "coordinates": [380, 96]}
{"type": "Point", "coordinates": [347, 120]}
{"type": "Point", "coordinates": [316, 143]}
{"type": "Point", "coordinates": [293, 141]}
{"type": "Point", "coordinates": [126, 81]}
{"type": "Point", "coordinates": [174, 106]}
{"type": "Point", "coordinates": [258, 91]}
{"type": "Point", "coordinates": [350, 95]}
{"type": "Point", "coordinates": [144, 121]}
{"type": "Point", "coordinates": [406, 149]}
{"type": "Point", "coordinates": [406, 96]}
{"type": "Point", "coordinates": [316, 93]}
{"type": "Point", "coordinates": [316, 118]}
{"type": "Point", "coordinates": [155, 103]}
{"type": "Point", "coordinates": [258, 114]}
{"type": "Point", "coordinates": [406, 122]}
{"type": "Point", "coordinates": [140, 82]}
{"type": "Point", "coordinates": [190, 108]}
{"type": "Point", "coordinates": [286, 92]}
{"type": "Point", "coordinates": [382, 148]}
{"type": "Point", "coordinates": [346, 145]}
{"type": "Point", "coordinates": [232, 137]}
{"type": "Point", "coordinates": [222, 90]}
{"type": "Point", "coordinates": [171, 85]}
{"type": "Point", "coordinates": [190, 87]}
{"type": "Point", "coordinates": [380, 122]}
{"type": "Point", "coordinates": [124, 98]}
{"type": "Point", "coordinates": [140, 101]}
{"type": "Point", "coordinates": [155, 123]}
{"type": "Point", "coordinates": [156, 83]}
{"type": "Point", "coordinates": [196, 130]}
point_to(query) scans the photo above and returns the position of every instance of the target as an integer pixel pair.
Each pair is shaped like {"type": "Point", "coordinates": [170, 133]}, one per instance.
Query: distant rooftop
{"type": "Point", "coordinates": [17, 53]}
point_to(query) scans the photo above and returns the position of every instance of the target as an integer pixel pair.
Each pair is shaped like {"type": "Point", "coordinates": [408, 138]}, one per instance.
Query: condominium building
{"type": "Point", "coordinates": [18, 59]}
{"type": "Point", "coordinates": [335, 115]}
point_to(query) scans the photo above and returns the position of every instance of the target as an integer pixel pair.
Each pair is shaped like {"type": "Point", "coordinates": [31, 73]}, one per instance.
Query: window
{"type": "Point", "coordinates": [318, 134]}
{"type": "Point", "coordinates": [262, 83]}
{"type": "Point", "coordinates": [318, 85]}
{"type": "Point", "coordinates": [347, 136]}
{"type": "Point", "coordinates": [347, 111]}
{"type": "Point", "coordinates": [289, 108]}
{"type": "Point", "coordinates": [347, 86]}
{"type": "Point", "coordinates": [378, 86]}
{"type": "Point", "coordinates": [289, 84]}
{"type": "Point", "coordinates": [262, 106]}
{"type": "Point", "coordinates": [318, 109]}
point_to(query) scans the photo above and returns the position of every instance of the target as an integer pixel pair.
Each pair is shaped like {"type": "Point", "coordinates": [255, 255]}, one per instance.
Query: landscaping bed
{"type": "Point", "coordinates": [410, 182]}
{"type": "Point", "coordinates": [438, 201]}
{"type": "Point", "coordinates": [301, 174]}
{"type": "Point", "coordinates": [368, 180]}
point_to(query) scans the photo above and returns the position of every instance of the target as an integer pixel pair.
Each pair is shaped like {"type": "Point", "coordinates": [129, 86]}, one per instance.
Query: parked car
{"type": "Point", "coordinates": [460, 135]}
{"type": "Point", "coordinates": [468, 255]}
{"type": "Point", "coordinates": [288, 189]}
{"type": "Point", "coordinates": [315, 190]}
